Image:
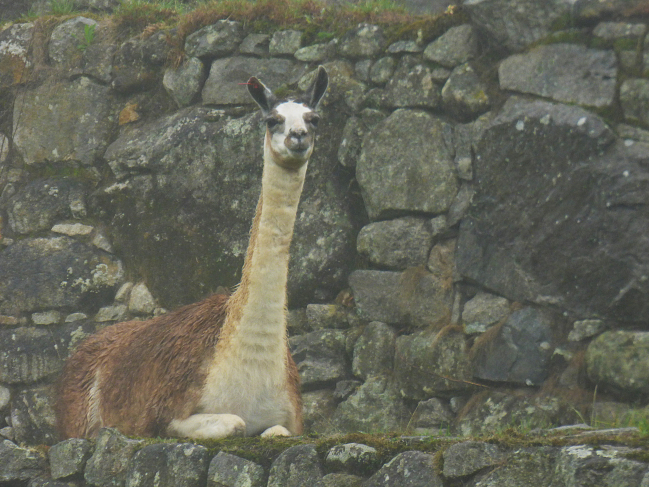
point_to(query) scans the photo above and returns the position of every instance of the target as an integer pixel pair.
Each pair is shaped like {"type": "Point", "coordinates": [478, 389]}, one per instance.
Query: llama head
{"type": "Point", "coordinates": [290, 124]}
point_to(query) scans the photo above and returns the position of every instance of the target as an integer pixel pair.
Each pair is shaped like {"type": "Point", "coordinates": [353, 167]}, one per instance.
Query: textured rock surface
{"type": "Point", "coordinates": [519, 255]}
{"type": "Point", "coordinates": [414, 296]}
{"type": "Point", "coordinates": [231, 471]}
{"type": "Point", "coordinates": [54, 272]}
{"type": "Point", "coordinates": [520, 352]}
{"type": "Point", "coordinates": [67, 121]}
{"type": "Point", "coordinates": [375, 407]}
{"type": "Point", "coordinates": [320, 357]}
{"type": "Point", "coordinates": [296, 467]}
{"type": "Point", "coordinates": [180, 464]}
{"type": "Point", "coordinates": [432, 363]}
{"type": "Point", "coordinates": [108, 466]}
{"type": "Point", "coordinates": [69, 457]}
{"type": "Point", "coordinates": [517, 25]}
{"type": "Point", "coordinates": [616, 360]}
{"type": "Point", "coordinates": [408, 149]}
{"type": "Point", "coordinates": [19, 464]}
{"type": "Point", "coordinates": [565, 68]}
{"type": "Point", "coordinates": [468, 457]}
{"type": "Point", "coordinates": [396, 244]}
{"type": "Point", "coordinates": [408, 469]}
{"type": "Point", "coordinates": [374, 351]}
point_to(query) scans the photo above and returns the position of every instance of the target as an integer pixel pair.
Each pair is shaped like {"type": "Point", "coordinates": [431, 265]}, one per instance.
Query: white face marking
{"type": "Point", "coordinates": [292, 140]}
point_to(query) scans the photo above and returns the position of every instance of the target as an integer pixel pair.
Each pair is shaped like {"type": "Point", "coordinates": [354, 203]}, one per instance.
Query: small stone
{"type": "Point", "coordinates": [404, 46]}
{"type": "Point", "coordinates": [5, 397]}
{"type": "Point", "coordinates": [352, 457]}
{"type": "Point", "coordinates": [73, 229]}
{"type": "Point", "coordinates": [184, 83]}
{"type": "Point", "coordinates": [411, 468]}
{"type": "Point", "coordinates": [346, 388]}
{"type": "Point", "coordinates": [69, 457]}
{"type": "Point", "coordinates": [75, 317]}
{"type": "Point", "coordinates": [297, 466]}
{"type": "Point", "coordinates": [321, 316]}
{"type": "Point", "coordinates": [382, 70]}
{"type": "Point", "coordinates": [364, 41]}
{"type": "Point", "coordinates": [466, 458]}
{"type": "Point", "coordinates": [8, 433]}
{"type": "Point", "coordinates": [8, 320]}
{"type": "Point", "coordinates": [317, 408]}
{"type": "Point", "coordinates": [315, 53]}
{"type": "Point", "coordinates": [362, 69]}
{"type": "Point", "coordinates": [396, 244]}
{"type": "Point", "coordinates": [483, 311]}
{"type": "Point", "coordinates": [585, 329]}
{"type": "Point", "coordinates": [634, 97]}
{"type": "Point", "coordinates": [431, 417]}
{"type": "Point", "coordinates": [115, 312]}
{"type": "Point", "coordinates": [124, 292]}
{"type": "Point", "coordinates": [46, 318]}
{"type": "Point", "coordinates": [457, 46]}
{"type": "Point", "coordinates": [228, 470]}
{"type": "Point", "coordinates": [619, 30]}
{"type": "Point", "coordinates": [255, 44]}
{"type": "Point", "coordinates": [101, 242]}
{"type": "Point", "coordinates": [141, 301]}
{"type": "Point", "coordinates": [108, 466]}
{"type": "Point", "coordinates": [19, 464]}
{"type": "Point", "coordinates": [464, 95]}
{"type": "Point", "coordinates": [285, 42]}
{"type": "Point", "coordinates": [374, 351]}
{"type": "Point", "coordinates": [214, 40]}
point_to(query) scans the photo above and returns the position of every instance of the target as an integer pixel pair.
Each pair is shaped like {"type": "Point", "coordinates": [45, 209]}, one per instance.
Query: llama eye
{"type": "Point", "coordinates": [313, 120]}
{"type": "Point", "coordinates": [273, 122]}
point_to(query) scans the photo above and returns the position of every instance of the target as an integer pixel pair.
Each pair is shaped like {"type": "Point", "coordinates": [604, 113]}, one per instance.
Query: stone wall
{"type": "Point", "coordinates": [472, 246]}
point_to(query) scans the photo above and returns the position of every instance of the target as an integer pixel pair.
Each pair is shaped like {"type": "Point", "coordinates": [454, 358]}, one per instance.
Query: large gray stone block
{"type": "Point", "coordinates": [64, 121]}
{"type": "Point", "coordinates": [18, 464]}
{"type": "Point", "coordinates": [568, 73]}
{"type": "Point", "coordinates": [414, 297]}
{"type": "Point", "coordinates": [547, 181]}
{"type": "Point", "coordinates": [408, 149]}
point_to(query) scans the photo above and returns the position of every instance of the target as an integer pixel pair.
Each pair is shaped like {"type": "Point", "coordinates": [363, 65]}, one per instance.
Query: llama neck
{"type": "Point", "coordinates": [256, 318]}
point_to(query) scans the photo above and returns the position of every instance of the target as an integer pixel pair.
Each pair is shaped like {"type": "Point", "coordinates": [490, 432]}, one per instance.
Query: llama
{"type": "Point", "coordinates": [222, 366]}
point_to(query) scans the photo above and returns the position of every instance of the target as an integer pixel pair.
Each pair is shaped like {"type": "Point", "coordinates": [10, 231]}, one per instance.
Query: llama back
{"type": "Point", "coordinates": [138, 375]}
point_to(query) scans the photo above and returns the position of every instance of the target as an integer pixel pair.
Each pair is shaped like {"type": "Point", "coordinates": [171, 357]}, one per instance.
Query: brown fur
{"type": "Point", "coordinates": [145, 381]}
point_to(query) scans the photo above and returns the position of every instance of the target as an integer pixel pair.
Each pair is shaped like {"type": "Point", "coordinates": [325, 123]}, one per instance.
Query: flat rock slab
{"type": "Point", "coordinates": [548, 179]}
{"type": "Point", "coordinates": [568, 73]}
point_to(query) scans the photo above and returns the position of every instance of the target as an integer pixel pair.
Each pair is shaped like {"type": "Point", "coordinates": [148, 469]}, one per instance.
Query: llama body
{"type": "Point", "coordinates": [222, 366]}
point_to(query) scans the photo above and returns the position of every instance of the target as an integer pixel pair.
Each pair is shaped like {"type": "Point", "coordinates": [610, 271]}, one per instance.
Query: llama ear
{"type": "Point", "coordinates": [318, 87]}
{"type": "Point", "coordinates": [262, 95]}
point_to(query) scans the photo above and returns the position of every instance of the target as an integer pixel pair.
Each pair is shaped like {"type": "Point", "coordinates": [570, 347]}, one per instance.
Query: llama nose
{"type": "Point", "coordinates": [297, 133]}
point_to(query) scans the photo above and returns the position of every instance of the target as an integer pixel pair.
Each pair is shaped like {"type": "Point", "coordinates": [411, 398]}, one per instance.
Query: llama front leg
{"type": "Point", "coordinates": [207, 426]}
{"type": "Point", "coordinates": [277, 430]}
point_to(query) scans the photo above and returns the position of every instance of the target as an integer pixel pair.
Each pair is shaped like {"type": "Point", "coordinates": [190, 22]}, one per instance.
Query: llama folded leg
{"type": "Point", "coordinates": [277, 430]}
{"type": "Point", "coordinates": [205, 426]}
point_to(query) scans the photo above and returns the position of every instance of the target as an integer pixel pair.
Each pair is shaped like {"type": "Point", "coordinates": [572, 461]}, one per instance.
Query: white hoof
{"type": "Point", "coordinates": [277, 430]}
